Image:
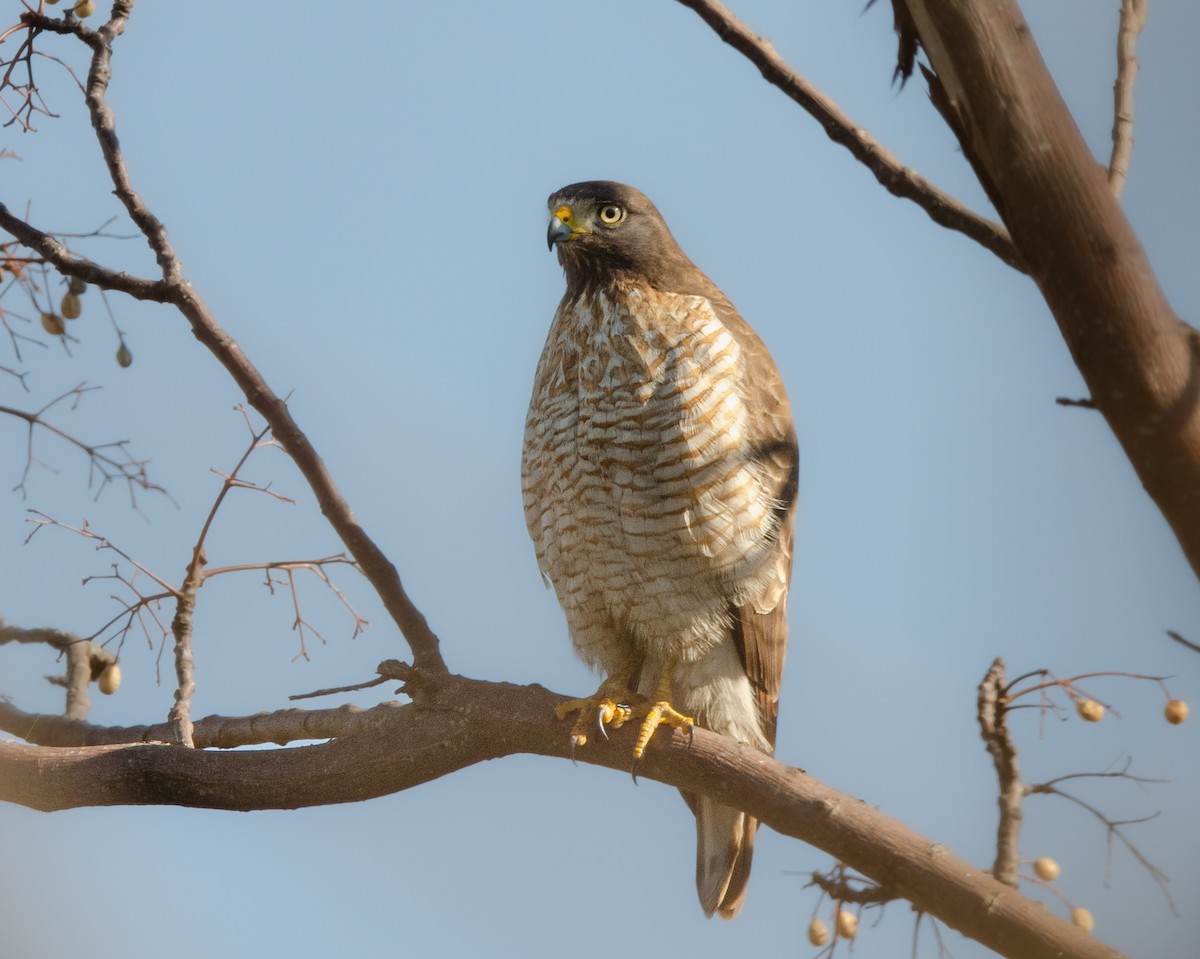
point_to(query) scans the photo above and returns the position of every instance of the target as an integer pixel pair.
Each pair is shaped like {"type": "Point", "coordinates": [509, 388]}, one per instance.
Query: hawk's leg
{"type": "Point", "coordinates": [660, 713]}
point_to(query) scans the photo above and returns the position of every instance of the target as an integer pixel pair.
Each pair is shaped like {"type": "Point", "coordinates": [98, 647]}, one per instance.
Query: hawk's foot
{"type": "Point", "coordinates": [608, 707]}
{"type": "Point", "coordinates": [614, 706]}
{"type": "Point", "coordinates": [660, 713]}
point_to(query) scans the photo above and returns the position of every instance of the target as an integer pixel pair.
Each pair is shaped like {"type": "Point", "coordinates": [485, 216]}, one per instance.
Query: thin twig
{"type": "Point", "coordinates": [1183, 642]}
{"type": "Point", "coordinates": [1113, 827]}
{"type": "Point", "coordinates": [897, 179]}
{"type": "Point", "coordinates": [1133, 20]}
{"type": "Point", "coordinates": [340, 689]}
{"type": "Point", "coordinates": [106, 461]}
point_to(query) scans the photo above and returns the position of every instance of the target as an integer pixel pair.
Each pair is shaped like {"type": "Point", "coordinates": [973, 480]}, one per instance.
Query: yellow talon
{"type": "Point", "coordinates": [660, 714]}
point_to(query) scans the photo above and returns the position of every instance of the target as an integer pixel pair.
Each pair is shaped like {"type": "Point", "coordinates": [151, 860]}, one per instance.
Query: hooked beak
{"type": "Point", "coordinates": [562, 227]}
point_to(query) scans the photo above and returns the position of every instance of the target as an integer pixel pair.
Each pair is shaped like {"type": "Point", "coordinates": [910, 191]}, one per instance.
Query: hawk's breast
{"type": "Point", "coordinates": [639, 493]}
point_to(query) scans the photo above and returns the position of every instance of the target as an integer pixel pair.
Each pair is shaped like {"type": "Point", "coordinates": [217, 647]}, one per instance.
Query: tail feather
{"type": "Point", "coordinates": [724, 848]}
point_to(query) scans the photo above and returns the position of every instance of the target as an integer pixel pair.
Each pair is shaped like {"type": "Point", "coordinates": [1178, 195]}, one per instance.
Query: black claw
{"type": "Point", "coordinates": [691, 735]}
{"type": "Point", "coordinates": [633, 770]}
{"type": "Point", "coordinates": [600, 724]}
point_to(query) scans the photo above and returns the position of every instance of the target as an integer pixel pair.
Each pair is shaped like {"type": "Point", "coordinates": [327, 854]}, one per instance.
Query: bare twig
{"type": "Point", "coordinates": [106, 461]}
{"type": "Point", "coordinates": [1085, 403]}
{"type": "Point", "coordinates": [1122, 773]}
{"type": "Point", "coordinates": [340, 689]}
{"type": "Point", "coordinates": [1133, 20]}
{"type": "Point", "coordinates": [897, 179]}
{"type": "Point", "coordinates": [1187, 643]}
{"type": "Point", "coordinates": [1112, 827]}
{"type": "Point", "coordinates": [841, 885]}
{"type": "Point", "coordinates": [992, 704]}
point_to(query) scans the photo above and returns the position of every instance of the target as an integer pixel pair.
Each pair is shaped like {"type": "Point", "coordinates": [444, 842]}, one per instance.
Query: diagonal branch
{"type": "Point", "coordinates": [897, 179]}
{"type": "Point", "coordinates": [1141, 362]}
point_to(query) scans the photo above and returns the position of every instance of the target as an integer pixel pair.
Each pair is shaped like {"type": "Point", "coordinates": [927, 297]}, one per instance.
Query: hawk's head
{"type": "Point", "coordinates": [605, 230]}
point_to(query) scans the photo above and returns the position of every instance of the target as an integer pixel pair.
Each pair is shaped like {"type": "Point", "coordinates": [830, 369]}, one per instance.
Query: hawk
{"type": "Point", "coordinates": [659, 480]}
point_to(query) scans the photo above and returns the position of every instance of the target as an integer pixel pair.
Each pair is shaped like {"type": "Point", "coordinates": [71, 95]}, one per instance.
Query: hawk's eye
{"type": "Point", "coordinates": [610, 213]}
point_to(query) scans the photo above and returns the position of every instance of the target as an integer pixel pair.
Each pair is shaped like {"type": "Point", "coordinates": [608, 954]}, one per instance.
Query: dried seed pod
{"type": "Point", "coordinates": [1046, 868]}
{"type": "Point", "coordinates": [110, 680]}
{"type": "Point", "coordinates": [1083, 919]}
{"type": "Point", "coordinates": [818, 932]}
{"type": "Point", "coordinates": [1089, 710]}
{"type": "Point", "coordinates": [124, 357]}
{"type": "Point", "coordinates": [53, 324]}
{"type": "Point", "coordinates": [77, 285]}
{"type": "Point", "coordinates": [847, 924]}
{"type": "Point", "coordinates": [71, 307]}
{"type": "Point", "coordinates": [84, 8]}
{"type": "Point", "coordinates": [1176, 711]}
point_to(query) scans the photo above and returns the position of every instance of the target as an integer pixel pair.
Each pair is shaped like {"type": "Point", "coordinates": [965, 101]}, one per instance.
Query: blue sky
{"type": "Point", "coordinates": [359, 196]}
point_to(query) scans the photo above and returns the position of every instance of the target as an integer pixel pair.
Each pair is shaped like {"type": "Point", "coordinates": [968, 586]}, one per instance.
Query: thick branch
{"type": "Point", "coordinates": [897, 179]}
{"type": "Point", "coordinates": [1141, 363]}
{"type": "Point", "coordinates": [457, 722]}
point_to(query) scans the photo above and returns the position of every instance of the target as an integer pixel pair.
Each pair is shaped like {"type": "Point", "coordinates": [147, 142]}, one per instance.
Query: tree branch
{"type": "Point", "coordinates": [213, 732]}
{"type": "Point", "coordinates": [455, 722]}
{"type": "Point", "coordinates": [897, 179]}
{"type": "Point", "coordinates": [1140, 361]}
{"type": "Point", "coordinates": [1133, 20]}
{"type": "Point", "coordinates": [991, 712]}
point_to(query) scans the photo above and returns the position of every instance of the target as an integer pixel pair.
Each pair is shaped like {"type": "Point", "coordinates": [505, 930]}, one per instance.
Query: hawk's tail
{"type": "Point", "coordinates": [724, 848]}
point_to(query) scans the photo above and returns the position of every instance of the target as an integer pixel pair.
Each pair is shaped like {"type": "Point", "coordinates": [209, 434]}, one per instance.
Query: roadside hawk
{"type": "Point", "coordinates": [659, 480]}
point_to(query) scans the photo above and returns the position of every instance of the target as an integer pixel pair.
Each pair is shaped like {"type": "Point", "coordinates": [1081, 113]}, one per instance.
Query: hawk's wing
{"type": "Point", "coordinates": [760, 628]}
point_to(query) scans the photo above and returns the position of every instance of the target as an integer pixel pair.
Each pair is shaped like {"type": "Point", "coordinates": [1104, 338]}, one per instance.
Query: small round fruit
{"type": "Point", "coordinates": [77, 285]}
{"type": "Point", "coordinates": [1083, 919]}
{"type": "Point", "coordinates": [124, 357]}
{"type": "Point", "coordinates": [847, 924]}
{"type": "Point", "coordinates": [818, 932]}
{"type": "Point", "coordinates": [1176, 711]}
{"type": "Point", "coordinates": [1046, 868]}
{"type": "Point", "coordinates": [53, 324]}
{"type": "Point", "coordinates": [1089, 710]}
{"type": "Point", "coordinates": [84, 8]}
{"type": "Point", "coordinates": [110, 680]}
{"type": "Point", "coordinates": [71, 307]}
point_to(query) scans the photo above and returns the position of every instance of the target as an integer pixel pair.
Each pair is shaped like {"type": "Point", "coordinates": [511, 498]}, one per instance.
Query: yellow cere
{"type": "Point", "coordinates": [564, 213]}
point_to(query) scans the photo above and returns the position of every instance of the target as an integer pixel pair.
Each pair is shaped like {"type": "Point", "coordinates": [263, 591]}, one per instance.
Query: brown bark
{"type": "Point", "coordinates": [456, 722]}
{"type": "Point", "coordinates": [1140, 361]}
